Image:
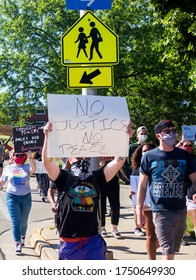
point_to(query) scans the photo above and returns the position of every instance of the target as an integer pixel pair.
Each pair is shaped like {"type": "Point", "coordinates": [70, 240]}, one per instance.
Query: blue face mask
{"type": "Point", "coordinates": [169, 139]}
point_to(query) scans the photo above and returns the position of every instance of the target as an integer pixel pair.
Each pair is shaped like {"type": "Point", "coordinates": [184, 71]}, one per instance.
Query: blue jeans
{"type": "Point", "coordinates": [19, 208]}
{"type": "Point", "coordinates": [44, 184]}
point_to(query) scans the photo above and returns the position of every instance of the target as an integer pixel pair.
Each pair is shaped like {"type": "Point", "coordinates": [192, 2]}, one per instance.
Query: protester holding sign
{"type": "Point", "coordinates": [78, 229]}
{"type": "Point", "coordinates": [18, 195]}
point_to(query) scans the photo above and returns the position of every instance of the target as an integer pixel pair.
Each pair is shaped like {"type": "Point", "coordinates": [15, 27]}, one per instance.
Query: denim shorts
{"type": "Point", "coordinates": [169, 228]}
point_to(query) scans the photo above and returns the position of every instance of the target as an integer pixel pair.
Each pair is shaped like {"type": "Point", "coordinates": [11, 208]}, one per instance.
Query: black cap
{"type": "Point", "coordinates": [162, 125]}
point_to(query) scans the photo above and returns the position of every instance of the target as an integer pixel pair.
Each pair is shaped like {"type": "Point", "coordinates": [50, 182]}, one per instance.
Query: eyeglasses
{"type": "Point", "coordinates": [187, 145]}
{"type": "Point", "coordinates": [19, 155]}
{"type": "Point", "coordinates": [168, 131]}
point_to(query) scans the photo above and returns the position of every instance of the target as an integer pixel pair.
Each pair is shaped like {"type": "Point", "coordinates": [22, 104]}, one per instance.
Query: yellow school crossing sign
{"type": "Point", "coordinates": [89, 41]}
{"type": "Point", "coordinates": [90, 77]}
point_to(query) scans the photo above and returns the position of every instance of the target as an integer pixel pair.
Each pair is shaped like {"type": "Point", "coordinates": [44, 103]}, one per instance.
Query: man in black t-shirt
{"type": "Point", "coordinates": [166, 169]}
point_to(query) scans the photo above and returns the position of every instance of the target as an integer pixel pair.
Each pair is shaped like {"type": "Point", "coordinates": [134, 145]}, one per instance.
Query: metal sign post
{"type": "Point", "coordinates": [90, 91]}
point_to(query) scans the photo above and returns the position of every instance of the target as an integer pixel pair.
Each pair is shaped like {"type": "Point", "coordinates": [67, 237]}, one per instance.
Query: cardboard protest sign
{"type": "Point", "coordinates": [28, 138]}
{"type": "Point", "coordinates": [189, 132]}
{"type": "Point", "coordinates": [6, 130]}
{"type": "Point", "coordinates": [134, 181]}
{"type": "Point", "coordinates": [40, 169]}
{"type": "Point", "coordinates": [88, 126]}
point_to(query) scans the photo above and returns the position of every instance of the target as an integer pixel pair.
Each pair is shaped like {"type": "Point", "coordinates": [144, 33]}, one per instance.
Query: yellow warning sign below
{"type": "Point", "coordinates": [90, 77]}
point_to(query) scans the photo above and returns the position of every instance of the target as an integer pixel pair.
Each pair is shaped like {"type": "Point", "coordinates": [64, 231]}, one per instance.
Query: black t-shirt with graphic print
{"type": "Point", "coordinates": [80, 203]}
{"type": "Point", "coordinates": [167, 172]}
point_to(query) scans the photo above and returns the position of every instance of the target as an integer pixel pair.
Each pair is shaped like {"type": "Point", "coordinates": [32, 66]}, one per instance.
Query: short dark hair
{"type": "Point", "coordinates": [161, 125]}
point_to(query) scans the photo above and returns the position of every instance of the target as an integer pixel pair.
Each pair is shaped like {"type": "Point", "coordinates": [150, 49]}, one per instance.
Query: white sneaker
{"type": "Point", "coordinates": [104, 233]}
{"type": "Point", "coordinates": [18, 250]}
{"type": "Point", "coordinates": [115, 233]}
{"type": "Point", "coordinates": [139, 232]}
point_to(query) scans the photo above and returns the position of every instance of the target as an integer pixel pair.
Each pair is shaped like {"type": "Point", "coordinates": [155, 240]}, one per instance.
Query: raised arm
{"type": "Point", "coordinates": [179, 144]}
{"type": "Point", "coordinates": [51, 167]}
{"type": "Point", "coordinates": [31, 162]}
{"type": "Point", "coordinates": [112, 168]}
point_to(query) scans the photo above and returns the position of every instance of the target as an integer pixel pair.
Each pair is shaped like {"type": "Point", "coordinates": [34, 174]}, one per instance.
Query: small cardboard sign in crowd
{"type": "Point", "coordinates": [28, 138]}
{"type": "Point", "coordinates": [189, 132]}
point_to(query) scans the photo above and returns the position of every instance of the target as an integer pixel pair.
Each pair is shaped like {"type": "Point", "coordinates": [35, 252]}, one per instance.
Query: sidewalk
{"type": "Point", "coordinates": [129, 247]}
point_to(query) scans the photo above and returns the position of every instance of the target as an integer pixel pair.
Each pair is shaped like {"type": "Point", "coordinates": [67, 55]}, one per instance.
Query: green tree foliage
{"type": "Point", "coordinates": [156, 85]}
{"type": "Point", "coordinates": [179, 18]}
{"type": "Point", "coordinates": [179, 38]}
{"type": "Point", "coordinates": [30, 53]}
{"type": "Point", "coordinates": [155, 88]}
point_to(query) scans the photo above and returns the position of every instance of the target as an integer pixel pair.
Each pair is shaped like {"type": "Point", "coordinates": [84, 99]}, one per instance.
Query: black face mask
{"type": "Point", "coordinates": [80, 168]}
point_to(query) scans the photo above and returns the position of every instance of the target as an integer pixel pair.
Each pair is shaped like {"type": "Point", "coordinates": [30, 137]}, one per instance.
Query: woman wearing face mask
{"type": "Point", "coordinates": [151, 239]}
{"type": "Point", "coordinates": [186, 145]}
{"type": "Point", "coordinates": [142, 136]}
{"type": "Point", "coordinates": [18, 195]}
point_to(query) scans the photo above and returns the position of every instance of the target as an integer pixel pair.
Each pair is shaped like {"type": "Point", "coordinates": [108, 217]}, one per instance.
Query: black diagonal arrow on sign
{"type": "Point", "coordinates": [86, 78]}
